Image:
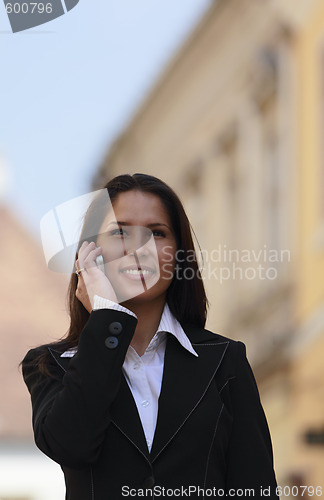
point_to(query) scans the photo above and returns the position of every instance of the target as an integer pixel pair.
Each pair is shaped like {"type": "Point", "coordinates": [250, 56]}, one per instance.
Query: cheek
{"type": "Point", "coordinates": [167, 254]}
{"type": "Point", "coordinates": [111, 250]}
{"type": "Point", "coordinates": [167, 261]}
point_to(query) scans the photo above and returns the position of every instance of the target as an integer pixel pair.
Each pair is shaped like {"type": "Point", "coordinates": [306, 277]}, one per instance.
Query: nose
{"type": "Point", "coordinates": [139, 241]}
{"type": "Point", "coordinates": [143, 251]}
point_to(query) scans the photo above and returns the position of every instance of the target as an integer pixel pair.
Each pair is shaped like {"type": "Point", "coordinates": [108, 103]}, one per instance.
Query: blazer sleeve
{"type": "Point", "coordinates": [71, 408]}
{"type": "Point", "coordinates": [250, 456]}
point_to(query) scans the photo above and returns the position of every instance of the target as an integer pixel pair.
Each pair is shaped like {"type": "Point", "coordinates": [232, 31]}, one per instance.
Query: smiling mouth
{"type": "Point", "coordinates": [133, 271]}
{"type": "Point", "coordinates": [137, 272]}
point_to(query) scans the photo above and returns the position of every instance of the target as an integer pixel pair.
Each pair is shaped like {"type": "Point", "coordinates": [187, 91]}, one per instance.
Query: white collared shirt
{"type": "Point", "coordinates": [144, 373]}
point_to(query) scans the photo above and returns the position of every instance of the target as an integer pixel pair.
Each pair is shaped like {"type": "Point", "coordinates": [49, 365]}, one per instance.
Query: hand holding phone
{"type": "Point", "coordinates": [92, 282]}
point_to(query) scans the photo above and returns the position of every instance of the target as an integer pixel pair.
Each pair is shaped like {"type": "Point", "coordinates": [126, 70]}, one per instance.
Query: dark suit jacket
{"type": "Point", "coordinates": [211, 430]}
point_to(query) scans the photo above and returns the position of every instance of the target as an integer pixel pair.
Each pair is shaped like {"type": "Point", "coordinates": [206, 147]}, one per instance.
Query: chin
{"type": "Point", "coordinates": [133, 290]}
{"type": "Point", "coordinates": [149, 296]}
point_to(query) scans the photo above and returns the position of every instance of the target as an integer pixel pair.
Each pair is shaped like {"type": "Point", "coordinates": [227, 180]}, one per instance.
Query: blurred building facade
{"type": "Point", "coordinates": [33, 312]}
{"type": "Point", "coordinates": [234, 126]}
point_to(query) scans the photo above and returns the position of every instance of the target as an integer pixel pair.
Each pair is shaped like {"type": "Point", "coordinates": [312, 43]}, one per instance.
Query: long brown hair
{"type": "Point", "coordinates": [186, 297]}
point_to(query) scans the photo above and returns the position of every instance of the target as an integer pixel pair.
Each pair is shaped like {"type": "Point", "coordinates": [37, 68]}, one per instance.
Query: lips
{"type": "Point", "coordinates": [137, 273]}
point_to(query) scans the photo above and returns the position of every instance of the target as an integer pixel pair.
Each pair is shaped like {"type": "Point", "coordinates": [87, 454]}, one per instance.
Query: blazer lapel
{"type": "Point", "coordinates": [185, 377]}
{"type": "Point", "coordinates": [62, 362]}
{"type": "Point", "coordinates": [125, 416]}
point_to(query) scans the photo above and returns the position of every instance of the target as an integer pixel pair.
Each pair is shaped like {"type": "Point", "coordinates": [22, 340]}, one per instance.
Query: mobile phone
{"type": "Point", "coordinates": [100, 263]}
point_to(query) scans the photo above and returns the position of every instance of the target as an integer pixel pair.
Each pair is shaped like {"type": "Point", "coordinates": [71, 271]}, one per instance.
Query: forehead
{"type": "Point", "coordinates": [139, 208]}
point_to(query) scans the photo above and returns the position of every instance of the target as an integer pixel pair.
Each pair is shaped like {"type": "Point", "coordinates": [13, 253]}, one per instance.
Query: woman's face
{"type": "Point", "coordinates": [138, 247]}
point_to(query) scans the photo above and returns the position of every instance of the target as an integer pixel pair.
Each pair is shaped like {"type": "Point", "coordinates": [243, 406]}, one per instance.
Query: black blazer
{"type": "Point", "coordinates": [211, 437]}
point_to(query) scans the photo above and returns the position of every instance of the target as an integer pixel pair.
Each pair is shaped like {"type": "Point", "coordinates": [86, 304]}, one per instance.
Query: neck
{"type": "Point", "coordinates": [149, 317]}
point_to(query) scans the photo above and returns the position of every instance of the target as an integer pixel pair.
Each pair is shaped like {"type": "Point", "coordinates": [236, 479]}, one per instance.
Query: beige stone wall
{"type": "Point", "coordinates": [202, 129]}
{"type": "Point", "coordinates": [230, 126]}
{"type": "Point", "coordinates": [33, 312]}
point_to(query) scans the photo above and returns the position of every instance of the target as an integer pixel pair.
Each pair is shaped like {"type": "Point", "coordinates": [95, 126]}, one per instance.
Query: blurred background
{"type": "Point", "coordinates": [224, 100]}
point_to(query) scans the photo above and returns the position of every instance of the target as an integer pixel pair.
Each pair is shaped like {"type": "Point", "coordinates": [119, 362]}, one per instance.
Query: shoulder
{"type": "Point", "coordinates": [230, 353]}
{"type": "Point", "coordinates": [43, 350]}
{"type": "Point", "coordinates": [33, 355]}
{"type": "Point", "coordinates": [39, 362]}
{"type": "Point", "coordinates": [201, 336]}
{"type": "Point", "coordinates": [232, 372]}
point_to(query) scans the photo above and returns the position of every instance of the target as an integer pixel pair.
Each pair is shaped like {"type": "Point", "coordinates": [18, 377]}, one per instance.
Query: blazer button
{"type": "Point", "coordinates": [115, 328]}
{"type": "Point", "coordinates": [111, 342]}
{"type": "Point", "coordinates": [148, 482]}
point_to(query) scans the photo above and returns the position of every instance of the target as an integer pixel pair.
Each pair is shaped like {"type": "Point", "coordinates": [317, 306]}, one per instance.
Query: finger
{"type": "Point", "coordinates": [87, 262]}
{"type": "Point", "coordinates": [90, 260]}
{"type": "Point", "coordinates": [84, 251]}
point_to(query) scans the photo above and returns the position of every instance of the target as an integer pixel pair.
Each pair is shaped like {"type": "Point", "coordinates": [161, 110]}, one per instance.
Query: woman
{"type": "Point", "coordinates": [139, 399]}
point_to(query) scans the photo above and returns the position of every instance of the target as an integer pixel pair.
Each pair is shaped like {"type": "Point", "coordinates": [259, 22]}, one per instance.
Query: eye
{"type": "Point", "coordinates": [158, 233]}
{"type": "Point", "coordinates": [119, 231]}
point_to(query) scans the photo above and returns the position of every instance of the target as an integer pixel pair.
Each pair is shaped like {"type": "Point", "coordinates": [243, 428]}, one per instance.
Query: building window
{"type": "Point", "coordinates": [192, 190]}
{"type": "Point", "coordinates": [272, 177]}
{"type": "Point", "coordinates": [228, 143]}
{"type": "Point", "coordinates": [265, 95]}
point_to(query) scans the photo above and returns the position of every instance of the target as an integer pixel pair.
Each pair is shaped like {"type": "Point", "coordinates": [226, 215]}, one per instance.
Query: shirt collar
{"type": "Point", "coordinates": [171, 325]}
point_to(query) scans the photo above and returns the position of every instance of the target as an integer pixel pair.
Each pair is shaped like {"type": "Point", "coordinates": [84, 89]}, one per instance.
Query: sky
{"type": "Point", "coordinates": [69, 87]}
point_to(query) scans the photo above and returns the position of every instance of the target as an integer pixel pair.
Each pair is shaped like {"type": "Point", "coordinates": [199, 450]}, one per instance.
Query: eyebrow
{"type": "Point", "coordinates": [122, 223]}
